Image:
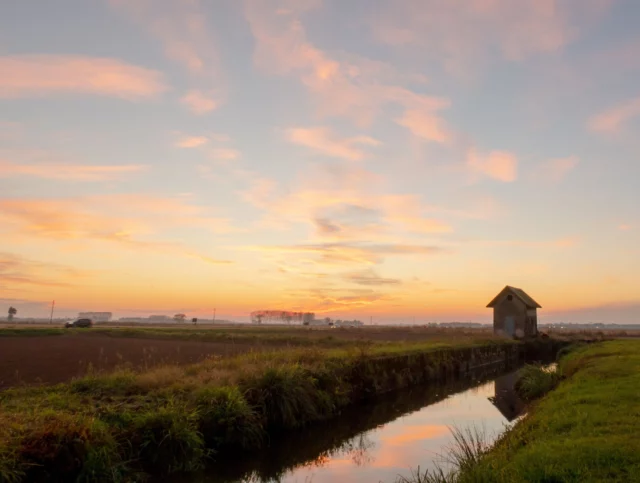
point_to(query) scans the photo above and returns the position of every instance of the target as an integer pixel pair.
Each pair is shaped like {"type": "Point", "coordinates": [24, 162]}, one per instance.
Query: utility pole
{"type": "Point", "coordinates": [53, 304]}
{"type": "Point", "coordinates": [214, 315]}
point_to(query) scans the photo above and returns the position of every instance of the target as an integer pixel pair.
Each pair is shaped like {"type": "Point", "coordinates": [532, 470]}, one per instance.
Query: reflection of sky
{"type": "Point", "coordinates": [417, 439]}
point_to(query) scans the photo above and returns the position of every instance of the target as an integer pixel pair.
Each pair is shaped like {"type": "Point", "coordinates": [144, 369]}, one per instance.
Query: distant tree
{"type": "Point", "coordinates": [179, 317]}
{"type": "Point", "coordinates": [12, 311]}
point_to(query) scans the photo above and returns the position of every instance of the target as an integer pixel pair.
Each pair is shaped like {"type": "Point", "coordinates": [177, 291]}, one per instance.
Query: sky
{"type": "Point", "coordinates": [388, 160]}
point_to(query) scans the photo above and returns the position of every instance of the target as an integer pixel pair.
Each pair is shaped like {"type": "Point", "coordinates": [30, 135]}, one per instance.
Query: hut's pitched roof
{"type": "Point", "coordinates": [518, 292]}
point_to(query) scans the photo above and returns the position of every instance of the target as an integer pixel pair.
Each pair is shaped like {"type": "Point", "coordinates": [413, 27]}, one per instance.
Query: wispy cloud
{"type": "Point", "coordinates": [130, 221]}
{"type": "Point", "coordinates": [40, 75]}
{"type": "Point", "coordinates": [370, 278]}
{"type": "Point", "coordinates": [354, 88]}
{"type": "Point", "coordinates": [68, 172]}
{"type": "Point", "coordinates": [224, 154]}
{"type": "Point", "coordinates": [460, 34]}
{"type": "Point", "coordinates": [191, 141]}
{"type": "Point", "coordinates": [18, 272]}
{"type": "Point", "coordinates": [555, 170]}
{"type": "Point", "coordinates": [323, 141]}
{"type": "Point", "coordinates": [613, 119]}
{"type": "Point", "coordinates": [337, 254]}
{"type": "Point", "coordinates": [425, 125]}
{"type": "Point", "coordinates": [199, 102]}
{"type": "Point", "coordinates": [498, 165]}
{"type": "Point", "coordinates": [327, 299]}
{"type": "Point", "coordinates": [182, 28]}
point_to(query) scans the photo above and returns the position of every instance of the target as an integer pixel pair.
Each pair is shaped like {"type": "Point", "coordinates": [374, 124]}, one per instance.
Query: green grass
{"type": "Point", "coordinates": [106, 427]}
{"type": "Point", "coordinates": [586, 430]}
{"type": "Point", "coordinates": [31, 332]}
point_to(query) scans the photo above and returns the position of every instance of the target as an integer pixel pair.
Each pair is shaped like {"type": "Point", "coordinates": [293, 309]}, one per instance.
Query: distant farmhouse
{"type": "Point", "coordinates": [515, 313]}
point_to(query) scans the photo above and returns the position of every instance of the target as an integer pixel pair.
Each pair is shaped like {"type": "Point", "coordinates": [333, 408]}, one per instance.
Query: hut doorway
{"type": "Point", "coordinates": [510, 325]}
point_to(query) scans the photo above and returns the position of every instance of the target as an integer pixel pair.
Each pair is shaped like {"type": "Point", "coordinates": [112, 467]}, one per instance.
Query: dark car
{"type": "Point", "coordinates": [80, 323]}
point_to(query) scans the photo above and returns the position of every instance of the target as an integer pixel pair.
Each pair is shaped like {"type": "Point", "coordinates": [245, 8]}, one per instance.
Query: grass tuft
{"type": "Point", "coordinates": [535, 381]}
{"type": "Point", "coordinates": [167, 440]}
{"type": "Point", "coordinates": [437, 475]}
{"type": "Point", "coordinates": [287, 396]}
{"type": "Point", "coordinates": [226, 419]}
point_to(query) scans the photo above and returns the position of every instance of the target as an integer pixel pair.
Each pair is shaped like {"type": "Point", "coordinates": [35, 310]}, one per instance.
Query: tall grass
{"type": "Point", "coordinates": [469, 446]}
{"type": "Point", "coordinates": [535, 381]}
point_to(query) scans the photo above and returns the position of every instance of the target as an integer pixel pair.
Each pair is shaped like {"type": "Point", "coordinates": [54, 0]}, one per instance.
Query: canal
{"type": "Point", "coordinates": [378, 442]}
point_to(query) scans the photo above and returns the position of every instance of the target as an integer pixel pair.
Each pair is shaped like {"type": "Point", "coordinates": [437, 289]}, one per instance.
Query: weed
{"type": "Point", "coordinates": [468, 447]}
{"type": "Point", "coordinates": [287, 396]}
{"type": "Point", "coordinates": [226, 419]}
{"type": "Point", "coordinates": [535, 381]}
{"type": "Point", "coordinates": [437, 475]}
{"type": "Point", "coordinates": [117, 383]}
{"type": "Point", "coordinates": [167, 440]}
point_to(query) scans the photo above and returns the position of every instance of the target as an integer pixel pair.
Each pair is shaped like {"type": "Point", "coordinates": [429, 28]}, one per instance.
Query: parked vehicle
{"type": "Point", "coordinates": [80, 323]}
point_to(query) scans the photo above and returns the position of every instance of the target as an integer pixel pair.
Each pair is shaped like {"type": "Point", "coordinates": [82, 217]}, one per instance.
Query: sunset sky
{"type": "Point", "coordinates": [394, 159]}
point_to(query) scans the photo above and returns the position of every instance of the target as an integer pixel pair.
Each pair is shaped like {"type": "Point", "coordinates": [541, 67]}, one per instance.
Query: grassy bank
{"type": "Point", "coordinates": [586, 430]}
{"type": "Point", "coordinates": [109, 427]}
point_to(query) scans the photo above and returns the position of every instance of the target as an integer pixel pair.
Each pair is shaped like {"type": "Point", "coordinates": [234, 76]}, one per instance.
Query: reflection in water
{"type": "Point", "coordinates": [505, 397]}
{"type": "Point", "coordinates": [379, 441]}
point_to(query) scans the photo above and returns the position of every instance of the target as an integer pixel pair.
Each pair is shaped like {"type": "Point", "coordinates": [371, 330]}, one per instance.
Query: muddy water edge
{"type": "Point", "coordinates": [384, 437]}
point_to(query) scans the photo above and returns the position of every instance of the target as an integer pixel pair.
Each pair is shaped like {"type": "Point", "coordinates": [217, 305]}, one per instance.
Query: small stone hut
{"type": "Point", "coordinates": [515, 313]}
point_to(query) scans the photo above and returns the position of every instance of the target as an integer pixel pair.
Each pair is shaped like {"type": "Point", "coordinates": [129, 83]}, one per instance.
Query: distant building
{"type": "Point", "coordinates": [133, 319]}
{"type": "Point", "coordinates": [159, 318]}
{"type": "Point", "coordinates": [96, 316]}
{"type": "Point", "coordinates": [348, 323]}
{"type": "Point", "coordinates": [515, 313]}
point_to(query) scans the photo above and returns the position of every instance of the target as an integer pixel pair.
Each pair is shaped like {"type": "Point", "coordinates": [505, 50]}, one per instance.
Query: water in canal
{"type": "Point", "coordinates": [377, 442]}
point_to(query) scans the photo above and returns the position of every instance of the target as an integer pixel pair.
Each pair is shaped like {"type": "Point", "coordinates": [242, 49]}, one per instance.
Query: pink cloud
{"type": "Point", "coordinates": [116, 218]}
{"type": "Point", "coordinates": [39, 75]}
{"type": "Point", "coordinates": [340, 86]}
{"type": "Point", "coordinates": [17, 271]}
{"type": "Point", "coordinates": [192, 141]}
{"type": "Point", "coordinates": [555, 170]}
{"type": "Point", "coordinates": [199, 102]}
{"type": "Point", "coordinates": [180, 26]}
{"type": "Point", "coordinates": [612, 120]}
{"type": "Point", "coordinates": [68, 172]}
{"type": "Point", "coordinates": [182, 29]}
{"type": "Point", "coordinates": [225, 154]}
{"type": "Point", "coordinates": [498, 165]}
{"type": "Point", "coordinates": [461, 33]}
{"type": "Point", "coordinates": [425, 125]}
{"type": "Point", "coordinates": [321, 140]}
{"type": "Point", "coordinates": [348, 203]}
{"type": "Point", "coordinates": [624, 227]}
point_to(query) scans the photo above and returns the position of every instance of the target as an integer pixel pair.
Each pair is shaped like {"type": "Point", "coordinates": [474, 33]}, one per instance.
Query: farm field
{"type": "Point", "coordinates": [109, 425]}
{"type": "Point", "coordinates": [31, 355]}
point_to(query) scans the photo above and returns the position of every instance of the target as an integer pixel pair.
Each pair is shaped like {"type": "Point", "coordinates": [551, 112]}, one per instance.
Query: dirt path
{"type": "Point", "coordinates": [52, 359]}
